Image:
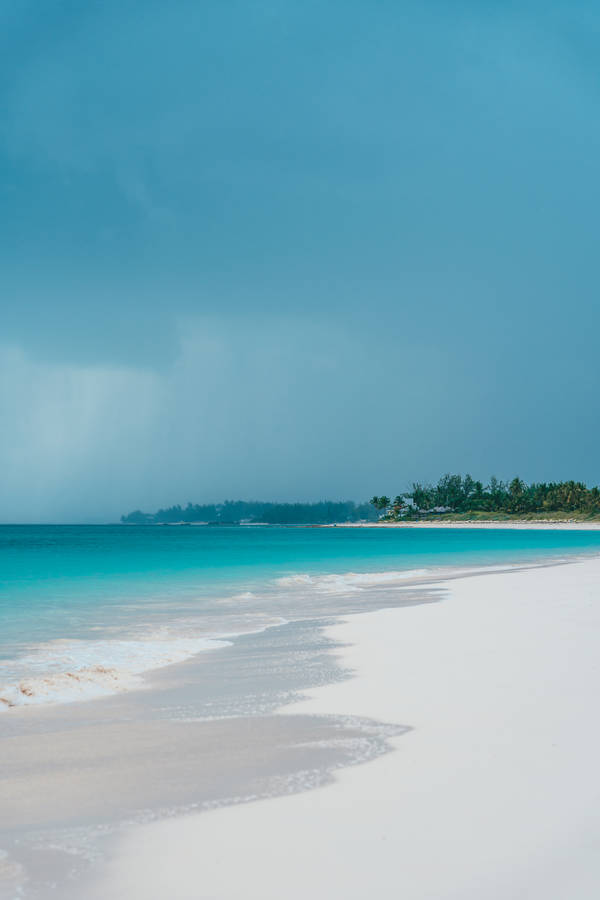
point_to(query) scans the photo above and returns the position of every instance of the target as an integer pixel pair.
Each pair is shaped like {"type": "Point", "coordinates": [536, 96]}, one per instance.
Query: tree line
{"type": "Point", "coordinates": [463, 494]}
{"type": "Point", "coordinates": [453, 494]}
{"type": "Point", "coordinates": [235, 511]}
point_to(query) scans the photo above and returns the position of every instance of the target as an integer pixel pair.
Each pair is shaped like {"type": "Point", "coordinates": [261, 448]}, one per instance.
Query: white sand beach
{"type": "Point", "coordinates": [524, 525]}
{"type": "Point", "coordinates": [493, 794]}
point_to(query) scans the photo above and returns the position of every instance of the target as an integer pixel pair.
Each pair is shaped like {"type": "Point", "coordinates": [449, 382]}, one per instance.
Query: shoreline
{"type": "Point", "coordinates": [297, 747]}
{"type": "Point", "coordinates": [139, 668]}
{"type": "Point", "coordinates": [494, 780]}
{"type": "Point", "coordinates": [533, 524]}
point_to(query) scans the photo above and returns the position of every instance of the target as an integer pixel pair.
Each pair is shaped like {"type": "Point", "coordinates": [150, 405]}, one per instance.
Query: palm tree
{"type": "Point", "coordinates": [380, 503]}
{"type": "Point", "coordinates": [398, 505]}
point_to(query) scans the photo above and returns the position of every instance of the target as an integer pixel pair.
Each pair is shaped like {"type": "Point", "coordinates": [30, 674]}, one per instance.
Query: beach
{"type": "Point", "coordinates": [490, 791]}
{"type": "Point", "coordinates": [261, 261]}
{"type": "Point", "coordinates": [511, 524]}
{"type": "Point", "coordinates": [410, 709]}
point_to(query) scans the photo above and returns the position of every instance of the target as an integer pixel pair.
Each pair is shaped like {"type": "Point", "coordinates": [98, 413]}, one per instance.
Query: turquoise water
{"type": "Point", "coordinates": [100, 583]}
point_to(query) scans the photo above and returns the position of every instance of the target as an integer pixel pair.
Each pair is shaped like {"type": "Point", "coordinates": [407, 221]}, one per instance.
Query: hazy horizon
{"type": "Point", "coordinates": [289, 252]}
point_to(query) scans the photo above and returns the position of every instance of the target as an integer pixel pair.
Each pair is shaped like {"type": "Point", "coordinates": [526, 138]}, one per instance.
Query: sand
{"type": "Point", "coordinates": [493, 793]}
{"type": "Point", "coordinates": [536, 525]}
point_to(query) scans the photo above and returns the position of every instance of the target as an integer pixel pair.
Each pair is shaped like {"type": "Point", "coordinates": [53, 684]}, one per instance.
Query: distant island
{"type": "Point", "coordinates": [244, 512]}
{"type": "Point", "coordinates": [453, 498]}
{"type": "Point", "coordinates": [457, 497]}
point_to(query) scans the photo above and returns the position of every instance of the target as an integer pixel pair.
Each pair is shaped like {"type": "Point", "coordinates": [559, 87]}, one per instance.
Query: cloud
{"type": "Point", "coordinates": [283, 408]}
{"type": "Point", "coordinates": [72, 436]}
{"type": "Point", "coordinates": [250, 408]}
{"type": "Point", "coordinates": [289, 251]}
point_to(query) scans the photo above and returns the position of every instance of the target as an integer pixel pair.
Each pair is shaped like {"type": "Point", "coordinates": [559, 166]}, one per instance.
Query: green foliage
{"type": "Point", "coordinates": [457, 494]}
{"type": "Point", "coordinates": [380, 503]}
{"type": "Point", "coordinates": [234, 511]}
{"type": "Point", "coordinates": [454, 495]}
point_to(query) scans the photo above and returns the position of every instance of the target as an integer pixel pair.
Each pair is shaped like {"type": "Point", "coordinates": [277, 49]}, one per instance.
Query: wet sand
{"type": "Point", "coordinates": [204, 734]}
{"type": "Point", "coordinates": [493, 792]}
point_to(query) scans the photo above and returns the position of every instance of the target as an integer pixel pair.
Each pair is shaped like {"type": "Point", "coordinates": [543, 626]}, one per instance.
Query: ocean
{"type": "Point", "coordinates": [100, 732]}
{"type": "Point", "coordinates": [87, 610]}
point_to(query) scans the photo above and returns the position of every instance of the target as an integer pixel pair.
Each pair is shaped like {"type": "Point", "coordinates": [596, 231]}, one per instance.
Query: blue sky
{"type": "Point", "coordinates": [294, 250]}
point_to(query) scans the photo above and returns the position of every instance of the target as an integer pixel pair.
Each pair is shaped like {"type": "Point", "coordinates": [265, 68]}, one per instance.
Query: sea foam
{"type": "Point", "coordinates": [349, 581]}
{"type": "Point", "coordinates": [65, 671]}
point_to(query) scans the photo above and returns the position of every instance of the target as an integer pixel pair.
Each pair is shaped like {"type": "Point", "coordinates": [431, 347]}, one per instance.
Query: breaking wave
{"type": "Point", "coordinates": [350, 581]}
{"type": "Point", "coordinates": [65, 671]}
{"type": "Point", "coordinates": [68, 670]}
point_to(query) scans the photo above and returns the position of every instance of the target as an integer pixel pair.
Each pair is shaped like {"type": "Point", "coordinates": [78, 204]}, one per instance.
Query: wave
{"type": "Point", "coordinates": [65, 671]}
{"type": "Point", "coordinates": [350, 581]}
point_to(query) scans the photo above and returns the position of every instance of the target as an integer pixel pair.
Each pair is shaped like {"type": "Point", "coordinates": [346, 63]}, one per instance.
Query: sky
{"type": "Point", "coordinates": [289, 251]}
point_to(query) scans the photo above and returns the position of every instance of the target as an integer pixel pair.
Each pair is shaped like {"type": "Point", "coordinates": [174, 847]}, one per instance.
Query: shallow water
{"type": "Point", "coordinates": [86, 610]}
{"type": "Point", "coordinates": [76, 776]}
{"type": "Point", "coordinates": [91, 613]}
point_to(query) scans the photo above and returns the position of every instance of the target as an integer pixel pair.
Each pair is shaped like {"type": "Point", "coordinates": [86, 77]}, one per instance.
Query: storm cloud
{"type": "Point", "coordinates": [290, 251]}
